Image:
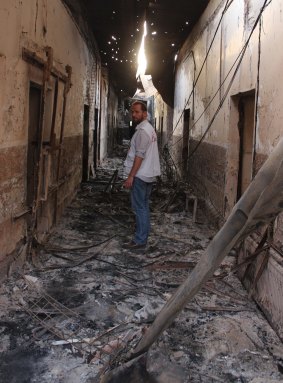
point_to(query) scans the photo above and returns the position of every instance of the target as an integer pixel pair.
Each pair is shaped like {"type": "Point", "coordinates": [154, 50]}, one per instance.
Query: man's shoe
{"type": "Point", "coordinates": [133, 246]}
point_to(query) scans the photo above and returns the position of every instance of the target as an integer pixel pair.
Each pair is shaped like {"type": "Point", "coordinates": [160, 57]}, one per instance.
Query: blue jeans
{"type": "Point", "coordinates": [140, 194]}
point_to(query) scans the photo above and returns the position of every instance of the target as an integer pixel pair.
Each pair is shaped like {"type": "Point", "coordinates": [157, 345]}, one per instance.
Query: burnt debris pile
{"type": "Point", "coordinates": [82, 303]}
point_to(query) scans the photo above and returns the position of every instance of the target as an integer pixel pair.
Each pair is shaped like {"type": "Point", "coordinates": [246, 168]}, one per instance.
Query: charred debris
{"type": "Point", "coordinates": [82, 302]}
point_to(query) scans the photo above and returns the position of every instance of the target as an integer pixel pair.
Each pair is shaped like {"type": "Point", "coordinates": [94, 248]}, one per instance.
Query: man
{"type": "Point", "coordinates": [141, 166]}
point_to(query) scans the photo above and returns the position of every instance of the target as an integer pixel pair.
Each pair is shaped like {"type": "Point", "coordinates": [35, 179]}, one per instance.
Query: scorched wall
{"type": "Point", "coordinates": [44, 95]}
{"type": "Point", "coordinates": [228, 113]}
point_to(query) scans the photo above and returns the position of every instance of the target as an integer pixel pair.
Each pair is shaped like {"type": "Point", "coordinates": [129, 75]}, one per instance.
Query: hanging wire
{"type": "Point", "coordinates": [170, 168]}
{"type": "Point", "coordinates": [257, 90]}
{"type": "Point", "coordinates": [227, 5]}
{"type": "Point", "coordinates": [239, 60]}
{"type": "Point", "coordinates": [194, 182]}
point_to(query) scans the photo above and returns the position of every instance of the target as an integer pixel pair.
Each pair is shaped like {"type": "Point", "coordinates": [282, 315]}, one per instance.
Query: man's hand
{"type": "Point", "coordinates": [129, 182]}
{"type": "Point", "coordinates": [136, 165]}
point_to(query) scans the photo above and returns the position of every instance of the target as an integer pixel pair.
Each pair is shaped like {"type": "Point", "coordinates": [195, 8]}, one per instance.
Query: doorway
{"type": "Point", "coordinates": [85, 154]}
{"type": "Point", "coordinates": [161, 132]}
{"type": "Point", "coordinates": [96, 113]}
{"type": "Point", "coordinates": [33, 149]}
{"type": "Point", "coordinates": [185, 146]}
{"type": "Point", "coordinates": [246, 109]}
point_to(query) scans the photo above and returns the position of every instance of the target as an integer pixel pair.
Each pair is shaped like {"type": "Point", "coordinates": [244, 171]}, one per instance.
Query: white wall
{"type": "Point", "coordinates": [35, 24]}
{"type": "Point", "coordinates": [216, 161]}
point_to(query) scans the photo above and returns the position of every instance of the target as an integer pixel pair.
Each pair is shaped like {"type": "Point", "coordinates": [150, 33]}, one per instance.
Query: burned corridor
{"type": "Point", "coordinates": [75, 304]}
{"type": "Point", "coordinates": [82, 301]}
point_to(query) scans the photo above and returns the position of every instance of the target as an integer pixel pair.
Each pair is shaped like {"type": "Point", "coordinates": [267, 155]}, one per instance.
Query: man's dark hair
{"type": "Point", "coordinates": [142, 104]}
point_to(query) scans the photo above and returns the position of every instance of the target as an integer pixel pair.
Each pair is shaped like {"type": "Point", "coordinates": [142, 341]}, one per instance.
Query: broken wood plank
{"type": "Point", "coordinates": [260, 204]}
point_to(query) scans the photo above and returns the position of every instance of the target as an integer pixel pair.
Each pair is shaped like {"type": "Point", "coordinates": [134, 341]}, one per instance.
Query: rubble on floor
{"type": "Point", "coordinates": [83, 302]}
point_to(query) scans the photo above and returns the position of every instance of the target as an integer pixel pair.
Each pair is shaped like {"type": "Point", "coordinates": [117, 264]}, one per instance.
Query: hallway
{"type": "Point", "coordinates": [75, 304]}
{"type": "Point", "coordinates": [83, 301]}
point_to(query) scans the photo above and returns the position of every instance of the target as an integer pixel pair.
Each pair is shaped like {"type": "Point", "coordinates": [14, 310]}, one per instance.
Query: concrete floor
{"type": "Point", "coordinates": [83, 301]}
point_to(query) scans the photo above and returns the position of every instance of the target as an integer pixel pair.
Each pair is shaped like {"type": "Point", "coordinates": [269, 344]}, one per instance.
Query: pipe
{"type": "Point", "coordinates": [260, 204]}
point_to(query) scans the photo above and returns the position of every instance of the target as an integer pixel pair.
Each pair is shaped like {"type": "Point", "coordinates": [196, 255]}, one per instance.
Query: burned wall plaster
{"type": "Point", "coordinates": [259, 73]}
{"type": "Point", "coordinates": [34, 27]}
{"type": "Point", "coordinates": [210, 173]}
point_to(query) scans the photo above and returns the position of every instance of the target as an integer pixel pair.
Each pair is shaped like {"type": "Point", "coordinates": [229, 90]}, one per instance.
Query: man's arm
{"type": "Point", "coordinates": [136, 165]}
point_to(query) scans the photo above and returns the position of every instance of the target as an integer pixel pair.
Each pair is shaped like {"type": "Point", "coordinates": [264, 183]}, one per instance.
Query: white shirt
{"type": "Point", "coordinates": [144, 145]}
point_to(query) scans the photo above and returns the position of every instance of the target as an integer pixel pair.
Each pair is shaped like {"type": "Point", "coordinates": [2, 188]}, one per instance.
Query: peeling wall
{"type": "Point", "coordinates": [268, 289]}
{"type": "Point", "coordinates": [34, 25]}
{"type": "Point", "coordinates": [204, 99]}
{"type": "Point", "coordinates": [104, 114]}
{"type": "Point", "coordinates": [163, 117]}
{"type": "Point", "coordinates": [112, 120]}
{"type": "Point", "coordinates": [218, 97]}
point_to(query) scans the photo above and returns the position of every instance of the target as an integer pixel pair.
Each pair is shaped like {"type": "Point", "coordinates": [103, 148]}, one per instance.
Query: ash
{"type": "Point", "coordinates": [81, 302]}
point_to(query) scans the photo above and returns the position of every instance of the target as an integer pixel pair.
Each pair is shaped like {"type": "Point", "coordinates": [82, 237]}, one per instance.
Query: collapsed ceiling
{"type": "Point", "coordinates": [118, 28]}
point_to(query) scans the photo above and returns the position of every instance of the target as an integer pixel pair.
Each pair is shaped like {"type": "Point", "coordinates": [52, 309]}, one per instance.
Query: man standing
{"type": "Point", "coordinates": [141, 166]}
